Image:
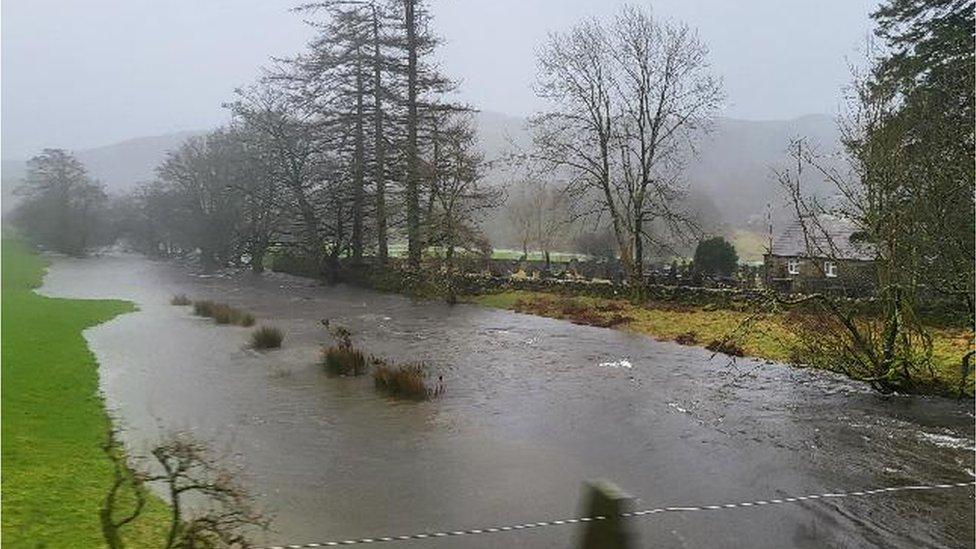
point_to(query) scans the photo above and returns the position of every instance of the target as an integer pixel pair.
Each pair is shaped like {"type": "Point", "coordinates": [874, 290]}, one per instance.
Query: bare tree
{"type": "Point", "coordinates": [223, 513]}
{"type": "Point", "coordinates": [421, 84]}
{"type": "Point", "coordinates": [62, 205]}
{"type": "Point", "coordinates": [201, 176]}
{"type": "Point", "coordinates": [457, 194]}
{"type": "Point", "coordinates": [124, 483]}
{"type": "Point", "coordinates": [520, 215]}
{"type": "Point", "coordinates": [539, 214]}
{"type": "Point", "coordinates": [629, 99]}
{"type": "Point", "coordinates": [287, 141]}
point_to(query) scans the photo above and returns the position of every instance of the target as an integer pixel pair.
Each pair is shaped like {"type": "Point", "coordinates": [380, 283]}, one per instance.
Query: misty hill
{"type": "Point", "coordinates": [120, 166]}
{"type": "Point", "coordinates": [732, 171]}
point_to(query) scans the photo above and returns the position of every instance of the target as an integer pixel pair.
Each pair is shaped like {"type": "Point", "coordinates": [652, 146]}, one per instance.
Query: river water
{"type": "Point", "coordinates": [533, 407]}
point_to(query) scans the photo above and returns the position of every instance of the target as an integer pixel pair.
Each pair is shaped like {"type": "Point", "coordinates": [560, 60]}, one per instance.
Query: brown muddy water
{"type": "Point", "coordinates": [533, 407]}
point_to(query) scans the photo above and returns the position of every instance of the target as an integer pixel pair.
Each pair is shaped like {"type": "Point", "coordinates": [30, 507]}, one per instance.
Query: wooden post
{"type": "Point", "coordinates": [603, 498]}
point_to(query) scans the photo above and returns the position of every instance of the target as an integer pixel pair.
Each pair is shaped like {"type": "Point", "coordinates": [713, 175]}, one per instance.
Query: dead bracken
{"type": "Point", "coordinates": [341, 360]}
{"type": "Point", "coordinates": [406, 381]}
{"type": "Point", "coordinates": [602, 315]}
{"type": "Point", "coordinates": [222, 313]}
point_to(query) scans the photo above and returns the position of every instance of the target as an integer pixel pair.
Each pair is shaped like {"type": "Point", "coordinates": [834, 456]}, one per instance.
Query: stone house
{"type": "Point", "coordinates": [827, 257]}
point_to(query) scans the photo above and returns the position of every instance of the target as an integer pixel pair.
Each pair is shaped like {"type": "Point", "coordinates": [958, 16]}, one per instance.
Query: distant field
{"type": "Point", "coordinates": [55, 474]}
{"type": "Point", "coordinates": [400, 250]}
{"type": "Point", "coordinates": [750, 245]}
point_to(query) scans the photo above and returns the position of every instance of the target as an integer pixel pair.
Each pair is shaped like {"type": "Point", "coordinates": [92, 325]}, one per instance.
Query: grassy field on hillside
{"type": "Point", "coordinates": [55, 474]}
{"type": "Point", "coordinates": [770, 336]}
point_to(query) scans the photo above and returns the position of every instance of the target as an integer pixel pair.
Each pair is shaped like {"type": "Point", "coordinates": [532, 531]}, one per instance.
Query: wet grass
{"type": "Point", "coordinates": [222, 313]}
{"type": "Point", "coordinates": [405, 381]}
{"type": "Point", "coordinates": [770, 336]}
{"type": "Point", "coordinates": [267, 337]}
{"type": "Point", "coordinates": [180, 300]}
{"type": "Point", "coordinates": [55, 474]}
{"type": "Point", "coordinates": [344, 360]}
{"type": "Point", "coordinates": [603, 314]}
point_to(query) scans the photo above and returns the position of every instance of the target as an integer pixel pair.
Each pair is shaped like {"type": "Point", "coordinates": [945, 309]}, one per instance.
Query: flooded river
{"type": "Point", "coordinates": [533, 407]}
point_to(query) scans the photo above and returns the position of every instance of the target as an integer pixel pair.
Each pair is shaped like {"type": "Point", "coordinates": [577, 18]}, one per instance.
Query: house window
{"type": "Point", "coordinates": [830, 269]}
{"type": "Point", "coordinates": [793, 266]}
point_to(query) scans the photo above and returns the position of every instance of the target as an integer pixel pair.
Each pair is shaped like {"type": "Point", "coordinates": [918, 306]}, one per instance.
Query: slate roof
{"type": "Point", "coordinates": [828, 236]}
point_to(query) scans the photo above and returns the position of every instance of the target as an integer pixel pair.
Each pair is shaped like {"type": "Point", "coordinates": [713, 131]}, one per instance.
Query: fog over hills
{"type": "Point", "coordinates": [732, 170]}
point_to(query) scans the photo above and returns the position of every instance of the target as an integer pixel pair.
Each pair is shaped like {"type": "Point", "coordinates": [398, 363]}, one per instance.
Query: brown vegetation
{"type": "Point", "coordinates": [686, 338]}
{"type": "Point", "coordinates": [267, 337]}
{"type": "Point", "coordinates": [222, 313]}
{"type": "Point", "coordinates": [725, 346]}
{"type": "Point", "coordinates": [603, 314]}
{"type": "Point", "coordinates": [343, 360]}
{"type": "Point", "coordinates": [180, 300]}
{"type": "Point", "coordinates": [406, 381]}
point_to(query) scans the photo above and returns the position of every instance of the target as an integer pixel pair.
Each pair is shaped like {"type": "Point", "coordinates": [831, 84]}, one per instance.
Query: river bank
{"type": "Point", "coordinates": [766, 336]}
{"type": "Point", "coordinates": [533, 407]}
{"type": "Point", "coordinates": [733, 321]}
{"type": "Point", "coordinates": [55, 474]}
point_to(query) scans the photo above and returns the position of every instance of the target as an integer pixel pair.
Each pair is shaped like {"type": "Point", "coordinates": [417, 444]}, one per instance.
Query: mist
{"type": "Point", "coordinates": [82, 75]}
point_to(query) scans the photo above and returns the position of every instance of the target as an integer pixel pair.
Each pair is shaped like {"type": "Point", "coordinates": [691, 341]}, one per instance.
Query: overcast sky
{"type": "Point", "coordinates": [83, 74]}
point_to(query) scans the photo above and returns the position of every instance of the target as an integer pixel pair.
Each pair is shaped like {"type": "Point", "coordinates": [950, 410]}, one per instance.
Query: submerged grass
{"type": "Point", "coordinates": [222, 313]}
{"type": "Point", "coordinates": [344, 360]}
{"type": "Point", "coordinates": [55, 474]}
{"type": "Point", "coordinates": [406, 381]}
{"type": "Point", "coordinates": [771, 336]}
{"type": "Point", "coordinates": [267, 337]}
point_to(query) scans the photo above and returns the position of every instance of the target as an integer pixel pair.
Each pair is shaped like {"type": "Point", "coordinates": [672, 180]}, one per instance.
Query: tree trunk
{"type": "Point", "coordinates": [382, 249]}
{"type": "Point", "coordinates": [359, 163]}
{"type": "Point", "coordinates": [412, 183]}
{"type": "Point", "coordinates": [638, 270]}
{"type": "Point", "coordinates": [311, 227]}
{"type": "Point", "coordinates": [257, 258]}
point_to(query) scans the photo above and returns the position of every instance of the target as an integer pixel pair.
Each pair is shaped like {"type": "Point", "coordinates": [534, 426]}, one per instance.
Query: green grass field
{"type": "Point", "coordinates": [55, 474]}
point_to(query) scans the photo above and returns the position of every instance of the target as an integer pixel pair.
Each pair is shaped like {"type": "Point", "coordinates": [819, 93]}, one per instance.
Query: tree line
{"type": "Point", "coordinates": [907, 184]}
{"type": "Point", "coordinates": [352, 145]}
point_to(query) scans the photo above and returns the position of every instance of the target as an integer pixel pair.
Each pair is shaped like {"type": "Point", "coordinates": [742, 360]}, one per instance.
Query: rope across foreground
{"type": "Point", "coordinates": [632, 514]}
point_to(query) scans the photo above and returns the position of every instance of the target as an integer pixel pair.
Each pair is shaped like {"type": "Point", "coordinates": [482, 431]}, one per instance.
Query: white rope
{"type": "Point", "coordinates": [632, 514]}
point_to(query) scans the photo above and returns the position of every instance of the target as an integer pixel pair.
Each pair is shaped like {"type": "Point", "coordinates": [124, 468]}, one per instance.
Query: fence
{"type": "Point", "coordinates": [605, 525]}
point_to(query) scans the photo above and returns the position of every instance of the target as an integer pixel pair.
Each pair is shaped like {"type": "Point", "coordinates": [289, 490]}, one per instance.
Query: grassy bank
{"type": "Point", "coordinates": [771, 337]}
{"type": "Point", "coordinates": [55, 474]}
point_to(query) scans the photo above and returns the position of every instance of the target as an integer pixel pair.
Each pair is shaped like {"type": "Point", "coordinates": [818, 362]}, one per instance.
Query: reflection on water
{"type": "Point", "coordinates": [533, 407]}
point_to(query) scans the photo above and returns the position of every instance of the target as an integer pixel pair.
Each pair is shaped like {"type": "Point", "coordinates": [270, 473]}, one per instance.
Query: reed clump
{"type": "Point", "coordinates": [342, 360]}
{"type": "Point", "coordinates": [223, 313]}
{"type": "Point", "coordinates": [267, 337]}
{"type": "Point", "coordinates": [180, 300]}
{"type": "Point", "coordinates": [406, 381]}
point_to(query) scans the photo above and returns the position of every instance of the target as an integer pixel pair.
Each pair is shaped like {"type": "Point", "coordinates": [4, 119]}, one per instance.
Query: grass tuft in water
{"type": "Point", "coordinates": [267, 337]}
{"type": "Point", "coordinates": [223, 313]}
{"type": "Point", "coordinates": [343, 360]}
{"type": "Point", "coordinates": [406, 381]}
{"type": "Point", "coordinates": [203, 307]}
{"type": "Point", "coordinates": [180, 300]}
